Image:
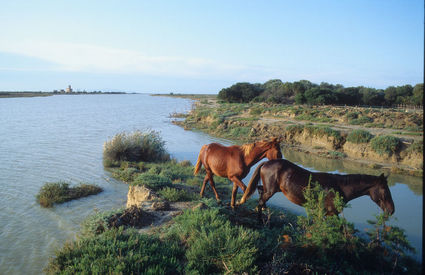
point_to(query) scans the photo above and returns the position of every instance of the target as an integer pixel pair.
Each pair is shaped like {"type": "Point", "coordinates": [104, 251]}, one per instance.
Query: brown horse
{"type": "Point", "coordinates": [233, 162]}
{"type": "Point", "coordinates": [283, 175]}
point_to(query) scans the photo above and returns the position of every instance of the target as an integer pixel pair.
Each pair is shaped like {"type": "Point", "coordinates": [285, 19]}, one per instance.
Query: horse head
{"type": "Point", "coordinates": [381, 195]}
{"type": "Point", "coordinates": [273, 151]}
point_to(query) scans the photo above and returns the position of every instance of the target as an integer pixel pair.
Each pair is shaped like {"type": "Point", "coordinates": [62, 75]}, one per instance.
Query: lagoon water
{"type": "Point", "coordinates": [48, 139]}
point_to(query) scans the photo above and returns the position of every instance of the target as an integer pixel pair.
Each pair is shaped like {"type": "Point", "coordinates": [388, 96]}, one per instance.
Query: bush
{"type": "Point", "coordinates": [60, 192]}
{"type": "Point", "coordinates": [118, 252]}
{"type": "Point", "coordinates": [385, 144]}
{"type": "Point", "coordinates": [359, 136]}
{"type": "Point", "coordinates": [173, 195]}
{"type": "Point", "coordinates": [152, 181]}
{"type": "Point", "coordinates": [213, 245]}
{"type": "Point", "coordinates": [134, 147]}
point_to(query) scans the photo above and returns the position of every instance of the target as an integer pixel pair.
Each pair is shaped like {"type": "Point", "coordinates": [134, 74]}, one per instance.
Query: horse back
{"type": "Point", "coordinates": [223, 160]}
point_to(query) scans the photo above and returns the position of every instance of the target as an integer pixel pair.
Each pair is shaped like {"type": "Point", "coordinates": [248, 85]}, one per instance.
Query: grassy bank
{"type": "Point", "coordinates": [210, 238]}
{"type": "Point", "coordinates": [207, 238]}
{"type": "Point", "coordinates": [324, 130]}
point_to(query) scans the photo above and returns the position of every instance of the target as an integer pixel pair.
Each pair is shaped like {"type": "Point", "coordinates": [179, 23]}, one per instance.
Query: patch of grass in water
{"type": "Point", "coordinates": [60, 192]}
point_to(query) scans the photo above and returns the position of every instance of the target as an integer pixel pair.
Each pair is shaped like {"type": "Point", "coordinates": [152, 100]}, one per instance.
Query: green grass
{"type": "Point", "coordinates": [136, 146]}
{"type": "Point", "coordinates": [416, 147]}
{"type": "Point", "coordinates": [385, 144]}
{"type": "Point", "coordinates": [173, 195]}
{"type": "Point", "coordinates": [118, 252]}
{"type": "Point", "coordinates": [359, 136]}
{"type": "Point", "coordinates": [60, 192]}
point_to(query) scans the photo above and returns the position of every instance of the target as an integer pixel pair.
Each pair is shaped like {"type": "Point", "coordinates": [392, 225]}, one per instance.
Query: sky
{"type": "Point", "coordinates": [203, 46]}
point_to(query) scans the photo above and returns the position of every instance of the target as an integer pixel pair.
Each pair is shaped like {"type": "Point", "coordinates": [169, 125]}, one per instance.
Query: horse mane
{"type": "Point", "coordinates": [247, 148]}
{"type": "Point", "coordinates": [355, 177]}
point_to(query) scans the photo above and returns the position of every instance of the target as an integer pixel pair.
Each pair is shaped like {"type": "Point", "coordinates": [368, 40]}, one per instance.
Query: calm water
{"type": "Point", "coordinates": [48, 139]}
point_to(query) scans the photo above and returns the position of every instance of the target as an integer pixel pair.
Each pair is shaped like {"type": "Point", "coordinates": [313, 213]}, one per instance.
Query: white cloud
{"type": "Point", "coordinates": [92, 58]}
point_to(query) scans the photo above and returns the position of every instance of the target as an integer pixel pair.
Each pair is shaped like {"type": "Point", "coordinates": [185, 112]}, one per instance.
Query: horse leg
{"type": "Point", "coordinates": [210, 177]}
{"type": "Point", "coordinates": [203, 185]}
{"type": "Point", "coordinates": [236, 182]}
{"type": "Point", "coordinates": [234, 191]}
{"type": "Point", "coordinates": [264, 197]}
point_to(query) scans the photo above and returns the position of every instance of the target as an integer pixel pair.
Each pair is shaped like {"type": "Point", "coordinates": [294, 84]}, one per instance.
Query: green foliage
{"type": "Point", "coordinates": [240, 92]}
{"type": "Point", "coordinates": [385, 144]}
{"type": "Point", "coordinates": [173, 194]}
{"type": "Point", "coordinates": [275, 91]}
{"type": "Point", "coordinates": [213, 245]}
{"type": "Point", "coordinates": [126, 175]}
{"type": "Point", "coordinates": [152, 181]}
{"type": "Point", "coordinates": [136, 146]}
{"type": "Point", "coordinates": [240, 132]}
{"type": "Point", "coordinates": [324, 131]}
{"type": "Point", "coordinates": [98, 222]}
{"type": "Point", "coordinates": [359, 136]}
{"type": "Point", "coordinates": [118, 252]}
{"type": "Point", "coordinates": [59, 192]}
{"type": "Point", "coordinates": [326, 233]}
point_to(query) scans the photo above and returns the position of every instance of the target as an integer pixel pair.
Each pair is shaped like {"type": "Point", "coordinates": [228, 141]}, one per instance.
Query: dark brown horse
{"type": "Point", "coordinates": [282, 175]}
{"type": "Point", "coordinates": [234, 162]}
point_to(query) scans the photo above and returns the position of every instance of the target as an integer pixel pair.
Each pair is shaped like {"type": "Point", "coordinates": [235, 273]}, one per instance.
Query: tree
{"type": "Point", "coordinates": [418, 94]}
{"type": "Point", "coordinates": [240, 92]}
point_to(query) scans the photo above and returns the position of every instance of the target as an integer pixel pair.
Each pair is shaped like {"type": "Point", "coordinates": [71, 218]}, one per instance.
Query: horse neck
{"type": "Point", "coordinates": [360, 187]}
{"type": "Point", "coordinates": [257, 154]}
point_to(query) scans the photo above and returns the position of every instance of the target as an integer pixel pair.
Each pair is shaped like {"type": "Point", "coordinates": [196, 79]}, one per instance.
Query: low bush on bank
{"type": "Point", "coordinates": [136, 146]}
{"type": "Point", "coordinates": [214, 245]}
{"type": "Point", "coordinates": [359, 136]}
{"type": "Point", "coordinates": [173, 195]}
{"type": "Point", "coordinates": [385, 144]}
{"type": "Point", "coordinates": [118, 252]}
{"type": "Point", "coordinates": [59, 192]}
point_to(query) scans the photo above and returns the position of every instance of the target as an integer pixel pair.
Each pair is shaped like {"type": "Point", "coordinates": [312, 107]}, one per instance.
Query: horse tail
{"type": "Point", "coordinates": [199, 162]}
{"type": "Point", "coordinates": [252, 185]}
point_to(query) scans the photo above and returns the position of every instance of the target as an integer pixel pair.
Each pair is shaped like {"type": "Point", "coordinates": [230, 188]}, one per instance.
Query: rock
{"type": "Point", "coordinates": [139, 194]}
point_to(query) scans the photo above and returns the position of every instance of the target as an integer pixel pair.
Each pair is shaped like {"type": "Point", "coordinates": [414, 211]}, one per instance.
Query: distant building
{"type": "Point", "coordinates": [69, 89]}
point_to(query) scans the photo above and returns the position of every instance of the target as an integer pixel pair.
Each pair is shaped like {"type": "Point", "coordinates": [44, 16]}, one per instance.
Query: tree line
{"type": "Point", "coordinates": [306, 92]}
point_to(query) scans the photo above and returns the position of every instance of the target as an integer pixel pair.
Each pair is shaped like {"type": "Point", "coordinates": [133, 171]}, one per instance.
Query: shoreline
{"type": "Point", "coordinates": [245, 125]}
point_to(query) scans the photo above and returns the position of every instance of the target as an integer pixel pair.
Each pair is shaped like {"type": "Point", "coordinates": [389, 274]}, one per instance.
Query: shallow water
{"type": "Point", "coordinates": [47, 139]}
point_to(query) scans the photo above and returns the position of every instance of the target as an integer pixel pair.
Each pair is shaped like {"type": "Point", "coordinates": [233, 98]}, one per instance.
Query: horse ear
{"type": "Point", "coordinates": [382, 176]}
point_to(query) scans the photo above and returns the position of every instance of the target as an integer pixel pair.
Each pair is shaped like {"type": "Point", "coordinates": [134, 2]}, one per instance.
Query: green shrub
{"type": "Point", "coordinates": [126, 175]}
{"type": "Point", "coordinates": [385, 144]}
{"type": "Point", "coordinates": [118, 252]}
{"type": "Point", "coordinates": [324, 131]}
{"type": "Point", "coordinates": [173, 195]}
{"type": "Point", "coordinates": [98, 222]}
{"type": "Point", "coordinates": [136, 146]}
{"type": "Point", "coordinates": [359, 136]}
{"type": "Point", "coordinates": [59, 192]}
{"type": "Point", "coordinates": [360, 120]}
{"type": "Point", "coordinates": [213, 245]}
{"type": "Point", "coordinates": [152, 181]}
{"type": "Point", "coordinates": [325, 233]}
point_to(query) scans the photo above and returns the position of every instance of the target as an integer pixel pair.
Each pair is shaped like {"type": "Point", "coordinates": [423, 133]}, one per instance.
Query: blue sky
{"type": "Point", "coordinates": [204, 46]}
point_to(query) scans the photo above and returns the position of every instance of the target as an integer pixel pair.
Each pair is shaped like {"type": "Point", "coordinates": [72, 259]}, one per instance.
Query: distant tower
{"type": "Point", "coordinates": [69, 89]}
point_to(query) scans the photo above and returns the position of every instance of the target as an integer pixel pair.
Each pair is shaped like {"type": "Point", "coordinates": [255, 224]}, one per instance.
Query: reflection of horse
{"type": "Point", "coordinates": [234, 162]}
{"type": "Point", "coordinates": [283, 175]}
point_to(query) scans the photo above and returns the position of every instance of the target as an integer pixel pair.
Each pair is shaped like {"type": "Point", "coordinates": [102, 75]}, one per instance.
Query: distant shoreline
{"type": "Point", "coordinates": [40, 94]}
